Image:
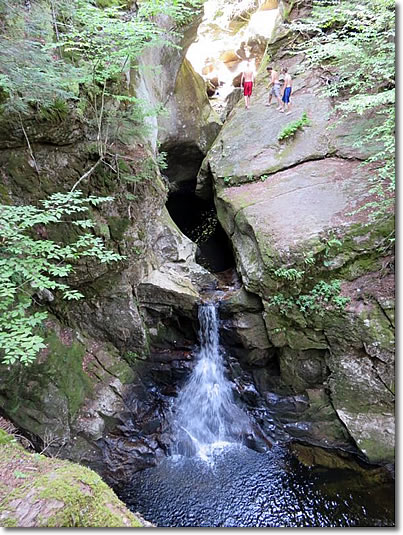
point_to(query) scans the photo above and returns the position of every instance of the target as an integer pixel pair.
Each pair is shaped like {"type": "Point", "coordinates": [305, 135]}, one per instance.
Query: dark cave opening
{"type": "Point", "coordinates": [196, 217]}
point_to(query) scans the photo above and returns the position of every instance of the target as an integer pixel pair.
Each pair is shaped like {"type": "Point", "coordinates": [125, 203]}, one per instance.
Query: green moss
{"type": "Point", "coordinates": [124, 167]}
{"type": "Point", "coordinates": [65, 233]}
{"type": "Point", "coordinates": [118, 226]}
{"type": "Point", "coordinates": [102, 229]}
{"type": "Point", "coordinates": [88, 501]}
{"type": "Point", "coordinates": [9, 523]}
{"type": "Point", "coordinates": [112, 364]}
{"type": "Point", "coordinates": [338, 460]}
{"type": "Point", "coordinates": [30, 386]}
{"type": "Point", "coordinates": [22, 173]}
{"type": "Point", "coordinates": [132, 357]}
{"type": "Point", "coordinates": [71, 495]}
{"type": "Point", "coordinates": [376, 449]}
{"type": "Point", "coordinates": [5, 438]}
{"type": "Point", "coordinates": [360, 266]}
{"type": "Point", "coordinates": [64, 364]}
{"type": "Point", "coordinates": [102, 285]}
{"type": "Point", "coordinates": [104, 180]}
{"type": "Point", "coordinates": [4, 196]}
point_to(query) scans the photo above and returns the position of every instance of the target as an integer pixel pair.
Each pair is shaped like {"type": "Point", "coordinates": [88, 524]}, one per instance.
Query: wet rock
{"type": "Point", "coordinates": [308, 416]}
{"type": "Point", "coordinates": [123, 457]}
{"type": "Point", "coordinates": [303, 369]}
{"type": "Point", "coordinates": [249, 333]}
{"type": "Point", "coordinates": [248, 394]}
{"type": "Point", "coordinates": [362, 475]}
{"type": "Point", "coordinates": [239, 301]}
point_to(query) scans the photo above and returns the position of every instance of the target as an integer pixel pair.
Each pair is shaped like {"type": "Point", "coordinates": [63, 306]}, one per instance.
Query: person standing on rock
{"type": "Point", "coordinates": [275, 90]}
{"type": "Point", "coordinates": [247, 79]}
{"type": "Point", "coordinates": [287, 88]}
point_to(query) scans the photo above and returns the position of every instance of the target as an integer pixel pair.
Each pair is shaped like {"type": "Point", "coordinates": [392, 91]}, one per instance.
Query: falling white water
{"type": "Point", "coordinates": [206, 417]}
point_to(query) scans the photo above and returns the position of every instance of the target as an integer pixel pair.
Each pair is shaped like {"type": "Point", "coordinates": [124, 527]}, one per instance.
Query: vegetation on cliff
{"type": "Point", "coordinates": [353, 42]}
{"type": "Point", "coordinates": [59, 60]}
{"type": "Point", "coordinates": [30, 267]}
{"type": "Point", "coordinates": [51, 51]}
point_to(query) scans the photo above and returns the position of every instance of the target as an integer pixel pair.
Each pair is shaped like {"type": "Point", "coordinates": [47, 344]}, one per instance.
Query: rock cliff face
{"type": "Point", "coordinates": [84, 396]}
{"type": "Point", "coordinates": [287, 207]}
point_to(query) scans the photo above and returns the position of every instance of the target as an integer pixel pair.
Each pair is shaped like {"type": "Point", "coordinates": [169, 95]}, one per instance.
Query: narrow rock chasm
{"type": "Point", "coordinates": [196, 217]}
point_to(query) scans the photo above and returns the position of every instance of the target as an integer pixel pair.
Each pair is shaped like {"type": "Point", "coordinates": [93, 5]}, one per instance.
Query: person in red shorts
{"type": "Point", "coordinates": [247, 79]}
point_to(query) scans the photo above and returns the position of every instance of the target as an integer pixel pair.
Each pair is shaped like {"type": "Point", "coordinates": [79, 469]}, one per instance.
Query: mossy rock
{"type": "Point", "coordinates": [313, 456]}
{"type": "Point", "coordinates": [54, 384]}
{"type": "Point", "coordinates": [50, 493]}
{"type": "Point", "coordinates": [22, 173]}
{"type": "Point", "coordinates": [47, 396]}
{"type": "Point", "coordinates": [5, 438]}
{"type": "Point", "coordinates": [4, 195]}
{"type": "Point", "coordinates": [118, 226]}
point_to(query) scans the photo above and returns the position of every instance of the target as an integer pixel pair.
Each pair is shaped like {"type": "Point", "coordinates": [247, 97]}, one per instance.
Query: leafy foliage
{"type": "Point", "coordinates": [51, 50]}
{"type": "Point", "coordinates": [292, 128]}
{"type": "Point", "coordinates": [353, 42]}
{"type": "Point", "coordinates": [30, 73]}
{"type": "Point", "coordinates": [29, 265]}
{"type": "Point", "coordinates": [53, 53]}
{"type": "Point", "coordinates": [105, 40]}
{"type": "Point", "coordinates": [323, 295]}
{"type": "Point", "coordinates": [307, 294]}
{"type": "Point", "coordinates": [288, 274]}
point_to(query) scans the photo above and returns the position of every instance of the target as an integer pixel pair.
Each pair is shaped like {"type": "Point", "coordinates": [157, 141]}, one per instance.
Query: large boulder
{"type": "Point", "coordinates": [40, 492]}
{"type": "Point", "coordinates": [288, 214]}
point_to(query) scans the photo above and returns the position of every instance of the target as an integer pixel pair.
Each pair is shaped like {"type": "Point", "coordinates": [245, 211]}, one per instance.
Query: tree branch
{"type": "Point", "coordinates": [29, 146]}
{"type": "Point", "coordinates": [85, 175]}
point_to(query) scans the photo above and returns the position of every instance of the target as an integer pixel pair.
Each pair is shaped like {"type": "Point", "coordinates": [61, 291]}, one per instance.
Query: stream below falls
{"type": "Point", "coordinates": [212, 479]}
{"type": "Point", "coordinates": [243, 488]}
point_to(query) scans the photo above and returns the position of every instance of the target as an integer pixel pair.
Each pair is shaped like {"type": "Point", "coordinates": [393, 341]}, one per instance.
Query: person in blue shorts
{"type": "Point", "coordinates": [287, 88]}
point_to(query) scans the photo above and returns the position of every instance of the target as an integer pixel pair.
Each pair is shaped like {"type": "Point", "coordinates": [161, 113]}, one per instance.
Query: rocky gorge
{"type": "Point", "coordinates": [270, 229]}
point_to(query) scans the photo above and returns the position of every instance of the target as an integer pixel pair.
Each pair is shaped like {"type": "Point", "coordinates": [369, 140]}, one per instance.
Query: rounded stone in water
{"type": "Point", "coordinates": [243, 488]}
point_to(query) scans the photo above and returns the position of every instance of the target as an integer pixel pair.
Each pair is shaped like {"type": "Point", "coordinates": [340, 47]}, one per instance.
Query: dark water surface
{"type": "Point", "coordinates": [243, 488]}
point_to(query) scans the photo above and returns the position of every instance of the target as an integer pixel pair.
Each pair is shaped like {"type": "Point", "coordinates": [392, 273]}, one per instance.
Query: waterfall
{"type": "Point", "coordinates": [206, 417]}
